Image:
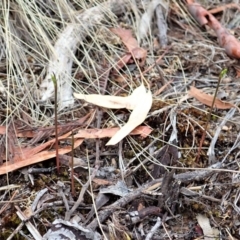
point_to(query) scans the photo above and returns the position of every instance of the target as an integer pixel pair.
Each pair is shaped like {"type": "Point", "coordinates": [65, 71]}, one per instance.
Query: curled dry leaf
{"type": "Point", "coordinates": [225, 39]}
{"type": "Point", "coordinates": [106, 101]}
{"type": "Point", "coordinates": [130, 42]}
{"type": "Point", "coordinates": [137, 117]}
{"type": "Point", "coordinates": [208, 99]}
{"type": "Point", "coordinates": [198, 12]}
{"type": "Point", "coordinates": [113, 102]}
{"type": "Point", "coordinates": [140, 101]}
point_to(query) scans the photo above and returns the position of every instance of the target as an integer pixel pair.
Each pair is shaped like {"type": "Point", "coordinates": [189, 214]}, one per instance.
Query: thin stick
{"type": "Point", "coordinates": [54, 80]}
{"type": "Point", "coordinates": [221, 75]}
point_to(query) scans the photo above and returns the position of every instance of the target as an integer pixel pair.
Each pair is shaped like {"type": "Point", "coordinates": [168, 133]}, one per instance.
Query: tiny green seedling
{"type": "Point", "coordinates": [221, 76]}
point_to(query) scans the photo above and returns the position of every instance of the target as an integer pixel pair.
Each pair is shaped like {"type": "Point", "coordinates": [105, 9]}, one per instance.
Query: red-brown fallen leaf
{"type": "Point", "coordinates": [225, 39]}
{"type": "Point", "coordinates": [21, 153]}
{"type": "Point", "coordinates": [30, 151]}
{"type": "Point", "coordinates": [208, 99]}
{"type": "Point", "coordinates": [34, 133]}
{"type": "Point", "coordinates": [130, 42]}
{"type": "Point", "coordinates": [144, 131]}
{"type": "Point", "coordinates": [28, 156]}
{"type": "Point", "coordinates": [123, 61]}
{"type": "Point", "coordinates": [198, 12]}
{"type": "Point", "coordinates": [237, 72]}
{"type": "Point", "coordinates": [2, 130]}
{"type": "Point", "coordinates": [102, 182]}
{"type": "Point", "coordinates": [39, 157]}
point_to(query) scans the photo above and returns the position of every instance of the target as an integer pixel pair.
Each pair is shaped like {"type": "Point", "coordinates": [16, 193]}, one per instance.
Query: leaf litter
{"type": "Point", "coordinates": [207, 99]}
{"type": "Point", "coordinates": [140, 101]}
{"type": "Point", "coordinates": [146, 186]}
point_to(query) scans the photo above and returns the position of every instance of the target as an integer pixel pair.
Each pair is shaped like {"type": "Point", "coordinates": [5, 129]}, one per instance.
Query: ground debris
{"type": "Point", "coordinates": [147, 184]}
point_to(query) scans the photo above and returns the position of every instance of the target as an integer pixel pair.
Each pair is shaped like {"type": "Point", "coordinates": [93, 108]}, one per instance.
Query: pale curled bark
{"type": "Point", "coordinates": [61, 61]}
{"type": "Point", "coordinates": [162, 25]}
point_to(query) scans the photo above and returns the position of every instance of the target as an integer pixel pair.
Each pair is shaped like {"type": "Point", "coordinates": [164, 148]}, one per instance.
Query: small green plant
{"type": "Point", "coordinates": [221, 76]}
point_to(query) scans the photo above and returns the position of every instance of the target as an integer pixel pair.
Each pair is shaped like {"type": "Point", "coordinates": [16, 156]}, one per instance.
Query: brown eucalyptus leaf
{"type": "Point", "coordinates": [208, 99]}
